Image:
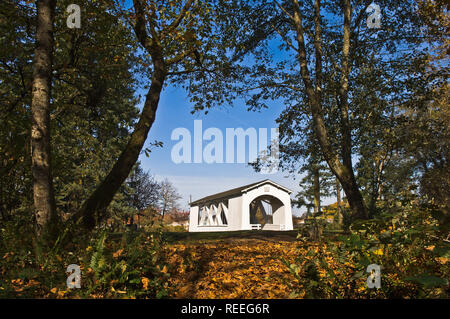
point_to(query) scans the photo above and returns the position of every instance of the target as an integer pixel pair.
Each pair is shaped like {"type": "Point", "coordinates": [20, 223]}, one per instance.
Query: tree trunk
{"type": "Point", "coordinates": [379, 178]}
{"type": "Point", "coordinates": [93, 210]}
{"type": "Point", "coordinates": [338, 195]}
{"type": "Point", "coordinates": [43, 194]}
{"type": "Point", "coordinates": [339, 216]}
{"type": "Point", "coordinates": [376, 187]}
{"type": "Point", "coordinates": [163, 213]}
{"type": "Point", "coordinates": [343, 171]}
{"type": "Point", "coordinates": [316, 190]}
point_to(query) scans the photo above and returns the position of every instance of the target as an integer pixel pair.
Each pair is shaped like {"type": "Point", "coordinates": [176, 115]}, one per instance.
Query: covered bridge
{"type": "Point", "coordinates": [263, 205]}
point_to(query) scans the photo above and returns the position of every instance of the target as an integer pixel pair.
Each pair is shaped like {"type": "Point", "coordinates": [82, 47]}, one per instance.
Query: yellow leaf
{"type": "Point", "coordinates": [145, 282]}
{"type": "Point", "coordinates": [378, 252]}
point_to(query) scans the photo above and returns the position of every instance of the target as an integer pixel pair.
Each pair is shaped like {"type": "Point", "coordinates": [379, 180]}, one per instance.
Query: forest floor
{"type": "Point", "coordinates": [247, 265]}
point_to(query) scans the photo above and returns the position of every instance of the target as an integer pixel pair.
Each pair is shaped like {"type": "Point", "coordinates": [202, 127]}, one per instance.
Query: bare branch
{"type": "Point", "coordinates": [190, 71]}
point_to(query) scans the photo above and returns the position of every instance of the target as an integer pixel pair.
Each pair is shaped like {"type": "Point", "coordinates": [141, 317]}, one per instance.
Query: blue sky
{"type": "Point", "coordinates": [199, 180]}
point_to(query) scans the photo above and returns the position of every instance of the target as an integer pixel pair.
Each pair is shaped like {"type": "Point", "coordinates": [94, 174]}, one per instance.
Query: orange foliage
{"type": "Point", "coordinates": [233, 269]}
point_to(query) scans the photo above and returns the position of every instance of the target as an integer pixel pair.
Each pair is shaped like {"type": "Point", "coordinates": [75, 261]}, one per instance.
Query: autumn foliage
{"type": "Point", "coordinates": [231, 269]}
{"type": "Point", "coordinates": [404, 242]}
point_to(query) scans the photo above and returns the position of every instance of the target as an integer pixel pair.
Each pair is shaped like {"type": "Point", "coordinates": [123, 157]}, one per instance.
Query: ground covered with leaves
{"type": "Point", "coordinates": [231, 269]}
{"type": "Point", "coordinates": [410, 246]}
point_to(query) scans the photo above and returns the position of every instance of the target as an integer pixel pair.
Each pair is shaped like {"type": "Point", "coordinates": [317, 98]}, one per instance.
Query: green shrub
{"type": "Point", "coordinates": [405, 240]}
{"type": "Point", "coordinates": [130, 266]}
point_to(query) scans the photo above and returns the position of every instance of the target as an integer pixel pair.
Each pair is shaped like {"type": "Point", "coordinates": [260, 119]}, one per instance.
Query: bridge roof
{"type": "Point", "coordinates": [238, 191]}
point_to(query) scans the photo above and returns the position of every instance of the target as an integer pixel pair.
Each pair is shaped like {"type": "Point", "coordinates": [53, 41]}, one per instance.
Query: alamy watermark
{"type": "Point", "coordinates": [374, 279]}
{"type": "Point", "coordinates": [74, 279]}
{"type": "Point", "coordinates": [260, 148]}
{"type": "Point", "coordinates": [74, 18]}
{"type": "Point", "coordinates": [374, 19]}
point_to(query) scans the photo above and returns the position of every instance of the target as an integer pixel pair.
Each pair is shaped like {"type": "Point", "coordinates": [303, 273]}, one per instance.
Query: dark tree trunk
{"type": "Point", "coordinates": [316, 189]}
{"type": "Point", "coordinates": [43, 195]}
{"type": "Point", "coordinates": [342, 170]}
{"type": "Point", "coordinates": [338, 195]}
{"type": "Point", "coordinates": [339, 216]}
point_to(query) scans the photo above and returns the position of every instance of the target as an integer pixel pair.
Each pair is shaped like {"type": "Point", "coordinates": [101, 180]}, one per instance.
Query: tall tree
{"type": "Point", "coordinates": [334, 69]}
{"type": "Point", "coordinates": [44, 201]}
{"type": "Point", "coordinates": [169, 197]}
{"type": "Point", "coordinates": [93, 104]}
{"type": "Point", "coordinates": [95, 79]}
{"type": "Point", "coordinates": [172, 34]}
{"type": "Point", "coordinates": [342, 169]}
{"type": "Point", "coordinates": [18, 44]}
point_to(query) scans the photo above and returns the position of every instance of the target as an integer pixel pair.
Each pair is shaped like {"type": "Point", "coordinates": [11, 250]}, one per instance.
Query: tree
{"type": "Point", "coordinates": [93, 104]}
{"type": "Point", "coordinates": [179, 216]}
{"type": "Point", "coordinates": [315, 185]}
{"type": "Point", "coordinates": [95, 107]}
{"type": "Point", "coordinates": [169, 197]}
{"type": "Point", "coordinates": [143, 190]}
{"type": "Point", "coordinates": [18, 44]}
{"type": "Point", "coordinates": [426, 119]}
{"type": "Point", "coordinates": [408, 147]}
{"type": "Point", "coordinates": [43, 194]}
{"type": "Point", "coordinates": [342, 169]}
{"type": "Point", "coordinates": [335, 71]}
{"type": "Point", "coordinates": [172, 37]}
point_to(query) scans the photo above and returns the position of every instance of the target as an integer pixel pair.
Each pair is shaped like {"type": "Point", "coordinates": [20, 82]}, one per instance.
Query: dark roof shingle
{"type": "Point", "coordinates": [228, 193]}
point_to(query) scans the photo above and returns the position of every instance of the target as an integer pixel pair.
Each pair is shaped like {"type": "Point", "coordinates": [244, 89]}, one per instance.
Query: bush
{"type": "Point", "coordinates": [131, 266]}
{"type": "Point", "coordinates": [405, 240]}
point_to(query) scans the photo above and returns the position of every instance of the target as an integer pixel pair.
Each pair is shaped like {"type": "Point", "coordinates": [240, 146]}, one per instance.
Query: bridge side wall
{"type": "Point", "coordinates": [234, 220]}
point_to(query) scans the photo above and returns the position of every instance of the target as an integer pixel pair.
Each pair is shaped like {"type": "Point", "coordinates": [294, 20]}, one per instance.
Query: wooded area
{"type": "Point", "coordinates": [365, 119]}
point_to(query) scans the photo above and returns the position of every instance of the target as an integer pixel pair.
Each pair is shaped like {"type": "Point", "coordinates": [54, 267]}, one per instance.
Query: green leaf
{"type": "Point", "coordinates": [442, 251]}
{"type": "Point", "coordinates": [428, 281]}
{"type": "Point", "coordinates": [359, 274]}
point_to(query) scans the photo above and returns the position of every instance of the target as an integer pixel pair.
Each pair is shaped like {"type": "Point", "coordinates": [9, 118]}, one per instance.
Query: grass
{"type": "Point", "coordinates": [266, 235]}
{"type": "Point", "coordinates": [185, 237]}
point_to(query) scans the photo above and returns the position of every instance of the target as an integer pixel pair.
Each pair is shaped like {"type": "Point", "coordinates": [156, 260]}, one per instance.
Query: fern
{"type": "Point", "coordinates": [98, 260]}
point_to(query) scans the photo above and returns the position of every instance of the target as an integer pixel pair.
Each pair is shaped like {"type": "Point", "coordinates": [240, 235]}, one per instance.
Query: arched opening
{"type": "Point", "coordinates": [266, 212]}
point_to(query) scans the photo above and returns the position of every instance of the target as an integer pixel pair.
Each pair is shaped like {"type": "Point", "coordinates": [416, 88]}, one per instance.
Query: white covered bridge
{"type": "Point", "coordinates": [263, 205]}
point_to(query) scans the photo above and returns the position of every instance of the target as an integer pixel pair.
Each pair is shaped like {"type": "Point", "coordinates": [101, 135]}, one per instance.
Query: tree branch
{"type": "Point", "coordinates": [179, 57]}
{"type": "Point", "coordinates": [289, 43]}
{"type": "Point", "coordinates": [139, 27]}
{"type": "Point", "coordinates": [318, 48]}
{"type": "Point", "coordinates": [284, 10]}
